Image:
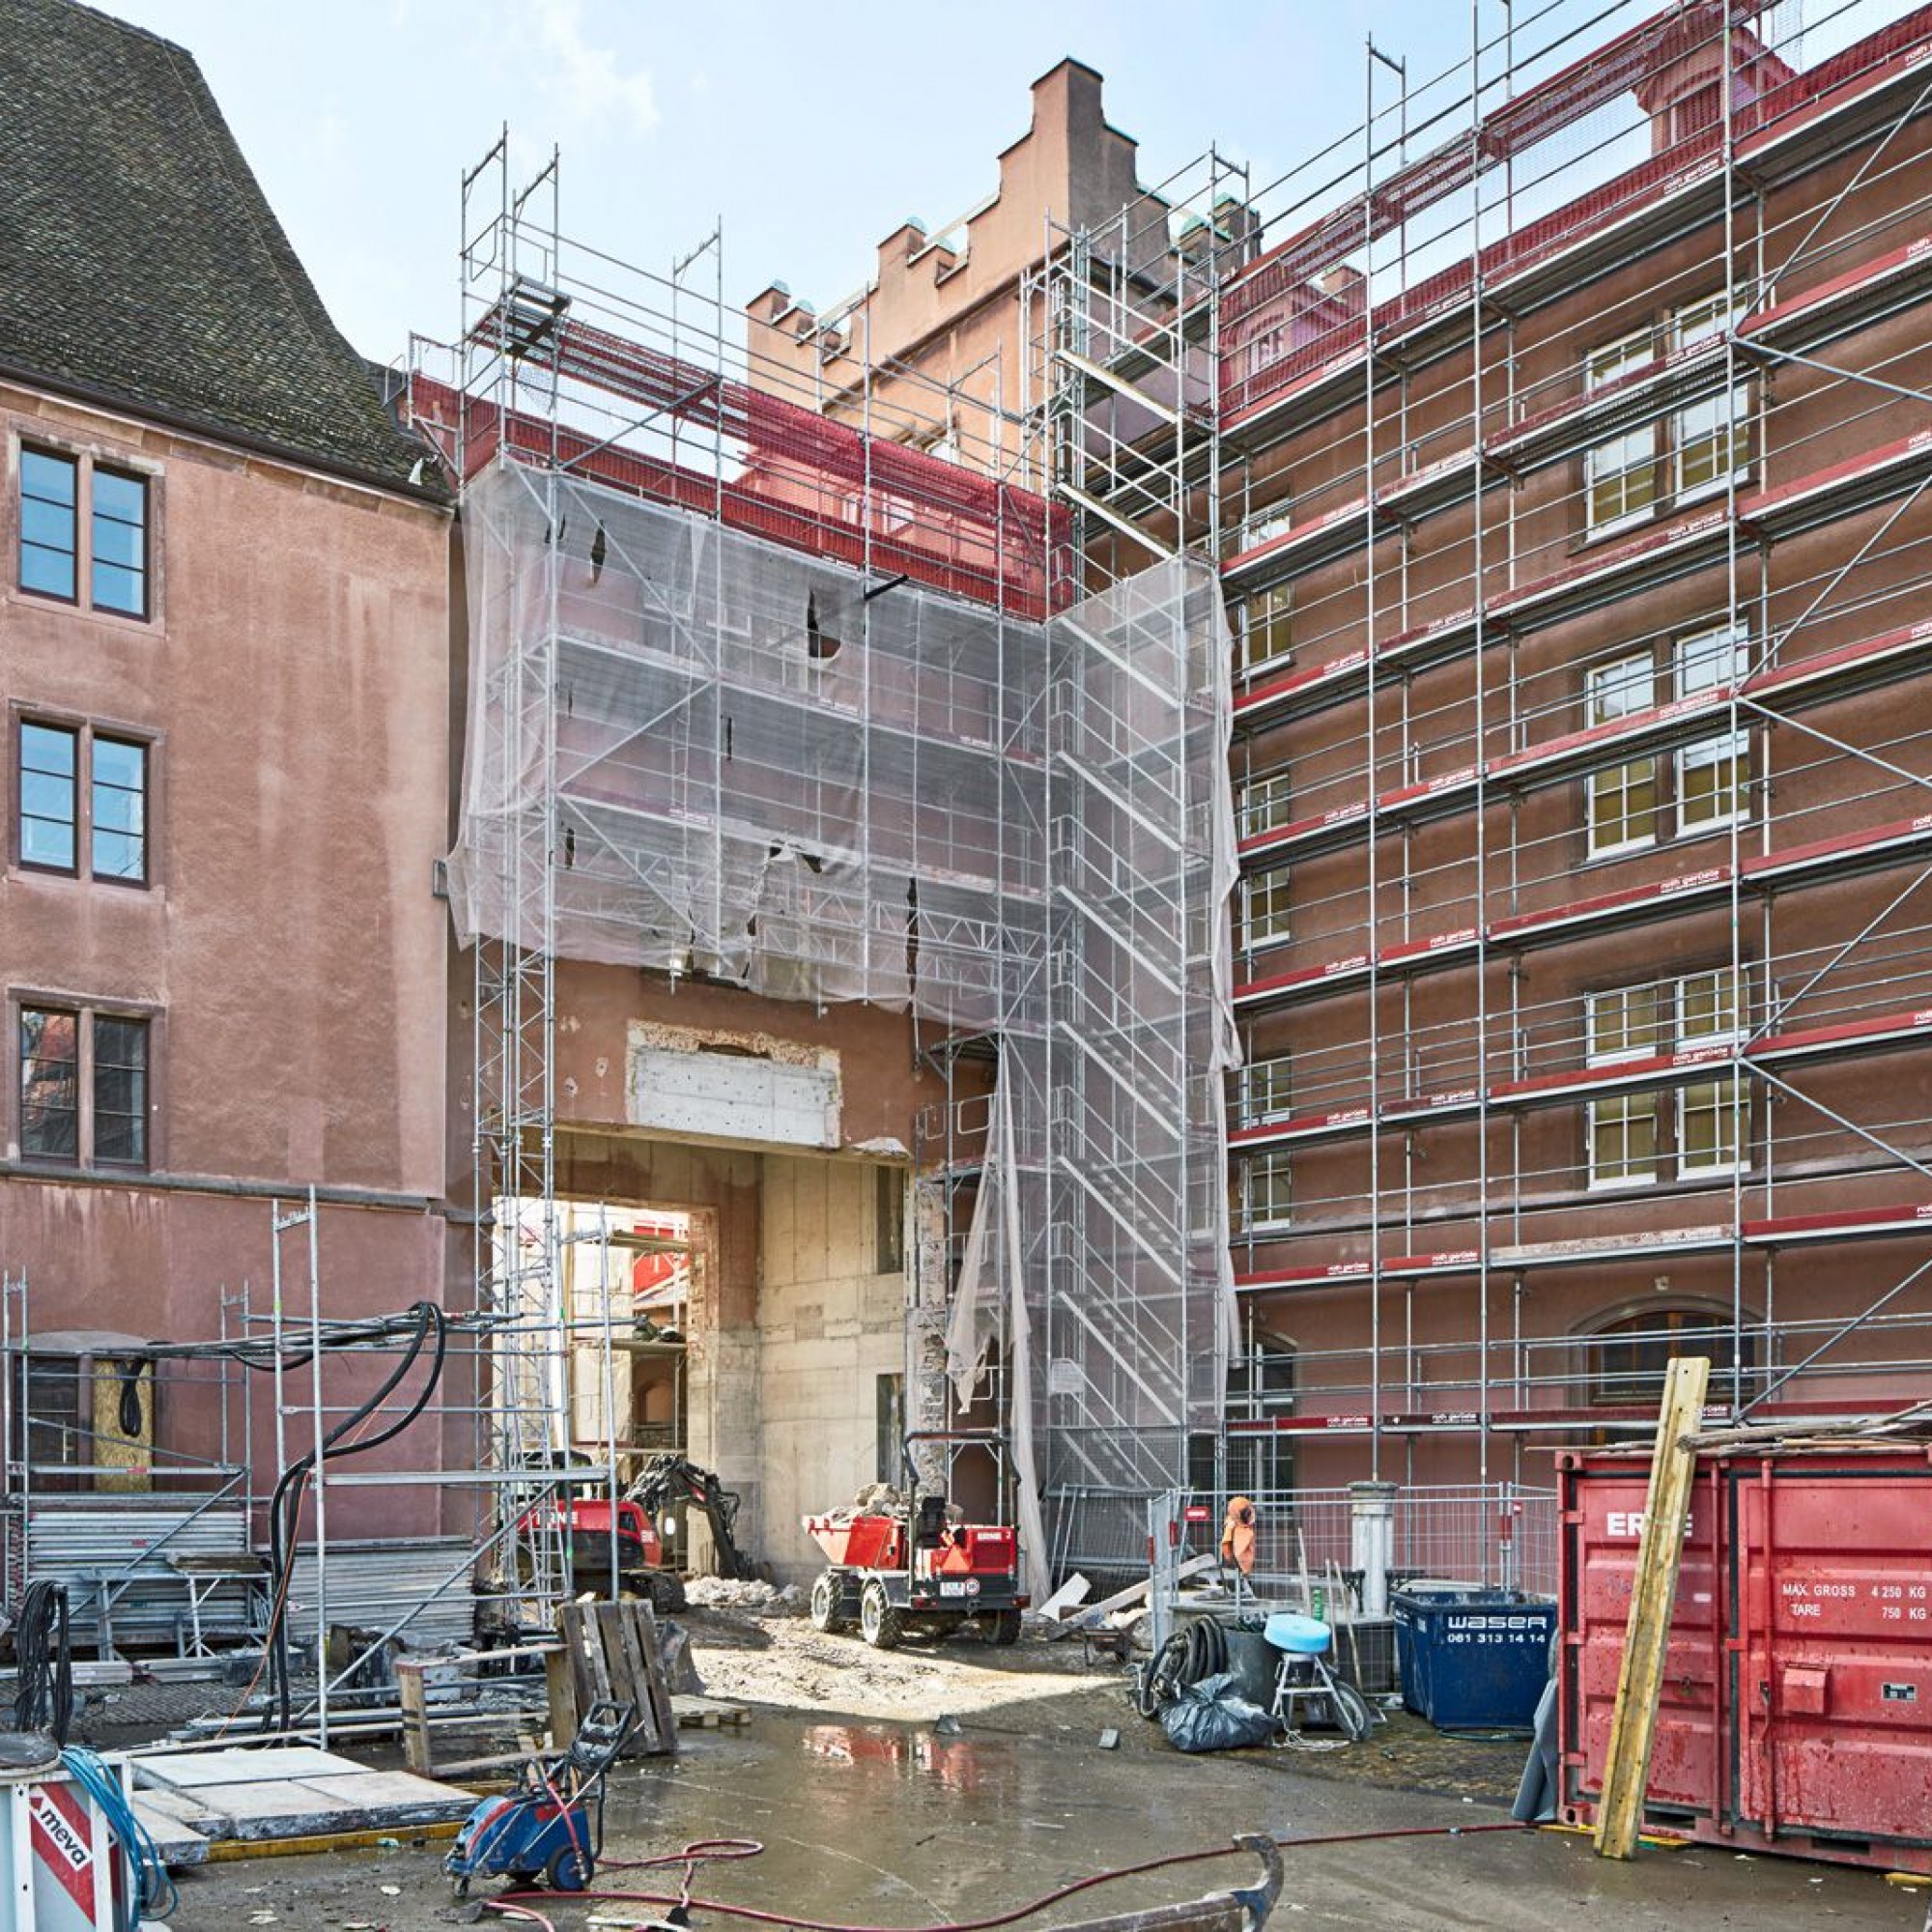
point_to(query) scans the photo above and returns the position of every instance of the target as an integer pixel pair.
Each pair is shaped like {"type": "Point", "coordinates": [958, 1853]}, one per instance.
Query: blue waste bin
{"type": "Point", "coordinates": [1473, 1660]}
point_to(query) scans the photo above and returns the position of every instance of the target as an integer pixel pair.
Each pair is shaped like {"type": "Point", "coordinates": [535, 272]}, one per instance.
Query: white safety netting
{"type": "Point", "coordinates": [695, 752]}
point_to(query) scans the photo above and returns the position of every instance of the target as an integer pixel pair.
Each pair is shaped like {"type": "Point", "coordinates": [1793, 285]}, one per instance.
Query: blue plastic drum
{"type": "Point", "coordinates": [1303, 1637]}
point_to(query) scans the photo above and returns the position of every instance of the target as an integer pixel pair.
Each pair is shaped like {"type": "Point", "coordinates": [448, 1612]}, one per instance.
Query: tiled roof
{"type": "Point", "coordinates": [139, 261]}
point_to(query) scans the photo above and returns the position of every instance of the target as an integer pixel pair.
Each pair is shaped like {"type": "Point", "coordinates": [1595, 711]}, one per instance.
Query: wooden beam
{"type": "Point", "coordinates": [1659, 1551]}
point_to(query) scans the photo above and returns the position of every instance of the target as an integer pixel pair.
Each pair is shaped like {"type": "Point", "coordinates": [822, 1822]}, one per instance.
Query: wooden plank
{"type": "Point", "coordinates": [630, 1677]}
{"type": "Point", "coordinates": [416, 1717]}
{"type": "Point", "coordinates": [1093, 1613]}
{"type": "Point", "coordinates": [657, 1685]}
{"type": "Point", "coordinates": [560, 1692]}
{"type": "Point", "coordinates": [1659, 1554]}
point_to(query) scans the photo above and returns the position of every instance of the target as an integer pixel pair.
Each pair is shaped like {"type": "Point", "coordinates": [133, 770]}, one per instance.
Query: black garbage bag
{"type": "Point", "coordinates": [1214, 1715]}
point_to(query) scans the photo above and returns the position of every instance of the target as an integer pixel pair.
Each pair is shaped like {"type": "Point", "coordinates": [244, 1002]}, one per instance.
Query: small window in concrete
{"type": "Point", "coordinates": [889, 1224]}
{"type": "Point", "coordinates": [891, 1400]}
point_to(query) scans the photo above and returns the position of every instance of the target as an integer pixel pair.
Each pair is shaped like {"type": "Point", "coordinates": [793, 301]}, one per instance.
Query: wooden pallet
{"type": "Point", "coordinates": [609, 1653]}
{"type": "Point", "coordinates": [706, 1713]}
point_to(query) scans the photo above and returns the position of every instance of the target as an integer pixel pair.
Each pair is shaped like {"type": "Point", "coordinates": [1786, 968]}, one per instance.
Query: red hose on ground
{"type": "Point", "coordinates": [761, 1918]}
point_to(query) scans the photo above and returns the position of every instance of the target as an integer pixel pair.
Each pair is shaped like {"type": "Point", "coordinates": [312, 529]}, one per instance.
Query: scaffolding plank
{"type": "Point", "coordinates": [1652, 1598]}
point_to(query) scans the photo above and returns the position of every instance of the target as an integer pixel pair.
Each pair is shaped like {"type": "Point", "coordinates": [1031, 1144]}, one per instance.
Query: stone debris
{"type": "Point", "coordinates": [761, 1600]}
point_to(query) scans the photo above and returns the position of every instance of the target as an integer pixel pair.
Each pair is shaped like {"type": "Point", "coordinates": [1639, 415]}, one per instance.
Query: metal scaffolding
{"type": "Point", "coordinates": [761, 697]}
{"type": "Point", "coordinates": [1582, 835]}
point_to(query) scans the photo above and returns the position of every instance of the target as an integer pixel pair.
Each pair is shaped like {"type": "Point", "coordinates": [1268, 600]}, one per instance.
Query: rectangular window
{"type": "Point", "coordinates": [48, 538]}
{"type": "Point", "coordinates": [49, 1084]}
{"type": "Point", "coordinates": [118, 836]}
{"type": "Point", "coordinates": [1623, 689]}
{"type": "Point", "coordinates": [1688, 453]}
{"type": "Point", "coordinates": [1701, 322]}
{"type": "Point", "coordinates": [1711, 441]}
{"type": "Point", "coordinates": [63, 495]}
{"type": "Point", "coordinates": [1266, 640]}
{"type": "Point", "coordinates": [1711, 781]}
{"type": "Point", "coordinates": [82, 798]}
{"type": "Point", "coordinates": [889, 1421]}
{"type": "Point", "coordinates": [1623, 807]}
{"type": "Point", "coordinates": [118, 529]}
{"type": "Point", "coordinates": [1267, 1091]}
{"type": "Point", "coordinates": [1617, 359]}
{"type": "Point", "coordinates": [1626, 1023]}
{"type": "Point", "coordinates": [1622, 1141]}
{"type": "Point", "coordinates": [49, 765]}
{"type": "Point", "coordinates": [1263, 525]}
{"type": "Point", "coordinates": [83, 1087]}
{"type": "Point", "coordinates": [1268, 1193]}
{"type": "Point", "coordinates": [1710, 1122]}
{"type": "Point", "coordinates": [119, 1092]}
{"type": "Point", "coordinates": [1266, 805]}
{"type": "Point", "coordinates": [1620, 478]}
{"type": "Point", "coordinates": [1712, 1116]}
{"type": "Point", "coordinates": [1709, 1006]}
{"type": "Point", "coordinates": [889, 1223]}
{"type": "Point", "coordinates": [1266, 908]}
{"type": "Point", "coordinates": [1711, 660]}
{"type": "Point", "coordinates": [1622, 1025]}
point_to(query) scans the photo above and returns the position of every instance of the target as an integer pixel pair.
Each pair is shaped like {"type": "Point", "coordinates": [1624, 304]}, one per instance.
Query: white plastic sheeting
{"type": "Point", "coordinates": [692, 750]}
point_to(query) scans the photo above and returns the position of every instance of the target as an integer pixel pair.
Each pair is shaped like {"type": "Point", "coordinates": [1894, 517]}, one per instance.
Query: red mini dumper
{"type": "Point", "coordinates": [894, 1575]}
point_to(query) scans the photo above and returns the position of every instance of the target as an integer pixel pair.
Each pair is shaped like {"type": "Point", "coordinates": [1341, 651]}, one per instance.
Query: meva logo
{"type": "Point", "coordinates": [1630, 1523]}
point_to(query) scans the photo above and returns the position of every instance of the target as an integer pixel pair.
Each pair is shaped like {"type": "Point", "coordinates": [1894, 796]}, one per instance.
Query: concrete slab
{"type": "Point", "coordinates": [195, 1770]}
{"type": "Point", "coordinates": [178, 1842]}
{"type": "Point", "coordinates": [252, 1796]}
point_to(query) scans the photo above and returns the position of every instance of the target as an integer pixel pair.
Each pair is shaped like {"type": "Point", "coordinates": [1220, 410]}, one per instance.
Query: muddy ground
{"type": "Point", "coordinates": [953, 1782]}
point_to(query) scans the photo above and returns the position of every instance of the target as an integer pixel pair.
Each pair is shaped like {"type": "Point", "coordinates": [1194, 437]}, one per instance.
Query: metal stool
{"type": "Point", "coordinates": [1303, 1678]}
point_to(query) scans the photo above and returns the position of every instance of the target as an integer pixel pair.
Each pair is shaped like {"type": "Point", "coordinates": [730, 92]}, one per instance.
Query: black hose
{"type": "Point", "coordinates": [1187, 1657]}
{"type": "Point", "coordinates": [285, 1507]}
{"type": "Point", "coordinates": [44, 1697]}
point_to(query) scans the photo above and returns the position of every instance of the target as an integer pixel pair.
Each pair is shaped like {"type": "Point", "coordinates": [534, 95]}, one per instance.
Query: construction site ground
{"type": "Point", "coordinates": [951, 1782]}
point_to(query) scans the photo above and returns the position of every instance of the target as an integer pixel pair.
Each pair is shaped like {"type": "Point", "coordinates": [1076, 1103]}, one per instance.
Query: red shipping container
{"type": "Point", "coordinates": [1797, 1707]}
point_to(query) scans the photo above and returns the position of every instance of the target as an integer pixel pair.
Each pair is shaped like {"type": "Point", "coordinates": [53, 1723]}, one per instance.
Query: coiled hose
{"type": "Point", "coordinates": [1201, 1650]}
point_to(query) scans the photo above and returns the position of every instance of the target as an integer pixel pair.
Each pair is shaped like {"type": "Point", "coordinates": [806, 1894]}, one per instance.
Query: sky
{"type": "Point", "coordinates": [810, 133]}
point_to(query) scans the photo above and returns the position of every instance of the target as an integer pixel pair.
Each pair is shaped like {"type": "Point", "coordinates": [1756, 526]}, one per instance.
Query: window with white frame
{"type": "Point", "coordinates": [1713, 774]}
{"type": "Point", "coordinates": [1267, 908]}
{"type": "Point", "coordinates": [1266, 805]}
{"type": "Point", "coordinates": [1621, 800]}
{"type": "Point", "coordinates": [1620, 478]}
{"type": "Point", "coordinates": [1265, 626]}
{"type": "Point", "coordinates": [1684, 453]}
{"type": "Point", "coordinates": [1267, 1192]}
{"type": "Point", "coordinates": [1268, 1090]}
{"type": "Point", "coordinates": [1710, 1119]}
{"type": "Point", "coordinates": [1709, 440]}
{"type": "Point", "coordinates": [1712, 1116]}
{"type": "Point", "coordinates": [1623, 1025]}
{"type": "Point", "coordinates": [1700, 787]}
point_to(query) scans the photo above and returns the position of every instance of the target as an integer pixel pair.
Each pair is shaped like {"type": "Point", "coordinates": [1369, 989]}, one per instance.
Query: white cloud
{"type": "Point", "coordinates": [585, 83]}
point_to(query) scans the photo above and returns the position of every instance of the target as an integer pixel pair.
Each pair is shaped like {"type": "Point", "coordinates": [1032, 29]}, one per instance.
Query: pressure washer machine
{"type": "Point", "coordinates": [549, 1826]}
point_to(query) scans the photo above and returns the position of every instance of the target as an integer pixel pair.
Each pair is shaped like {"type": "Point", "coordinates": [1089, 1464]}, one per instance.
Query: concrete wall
{"type": "Point", "coordinates": [829, 1326]}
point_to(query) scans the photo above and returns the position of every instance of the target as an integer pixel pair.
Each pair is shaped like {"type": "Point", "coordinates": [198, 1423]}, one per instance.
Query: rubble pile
{"type": "Point", "coordinates": [761, 1600]}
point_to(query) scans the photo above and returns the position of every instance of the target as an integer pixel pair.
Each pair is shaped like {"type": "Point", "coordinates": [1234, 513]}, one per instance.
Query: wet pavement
{"type": "Point", "coordinates": [878, 1824]}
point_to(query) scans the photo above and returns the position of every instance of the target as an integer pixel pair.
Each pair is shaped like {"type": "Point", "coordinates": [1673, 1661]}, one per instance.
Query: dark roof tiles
{"type": "Point", "coordinates": [139, 260]}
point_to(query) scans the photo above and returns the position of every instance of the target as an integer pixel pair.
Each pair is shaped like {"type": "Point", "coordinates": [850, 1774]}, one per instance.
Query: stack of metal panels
{"type": "Point", "coordinates": [118, 1547]}
{"type": "Point", "coordinates": [422, 1584]}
